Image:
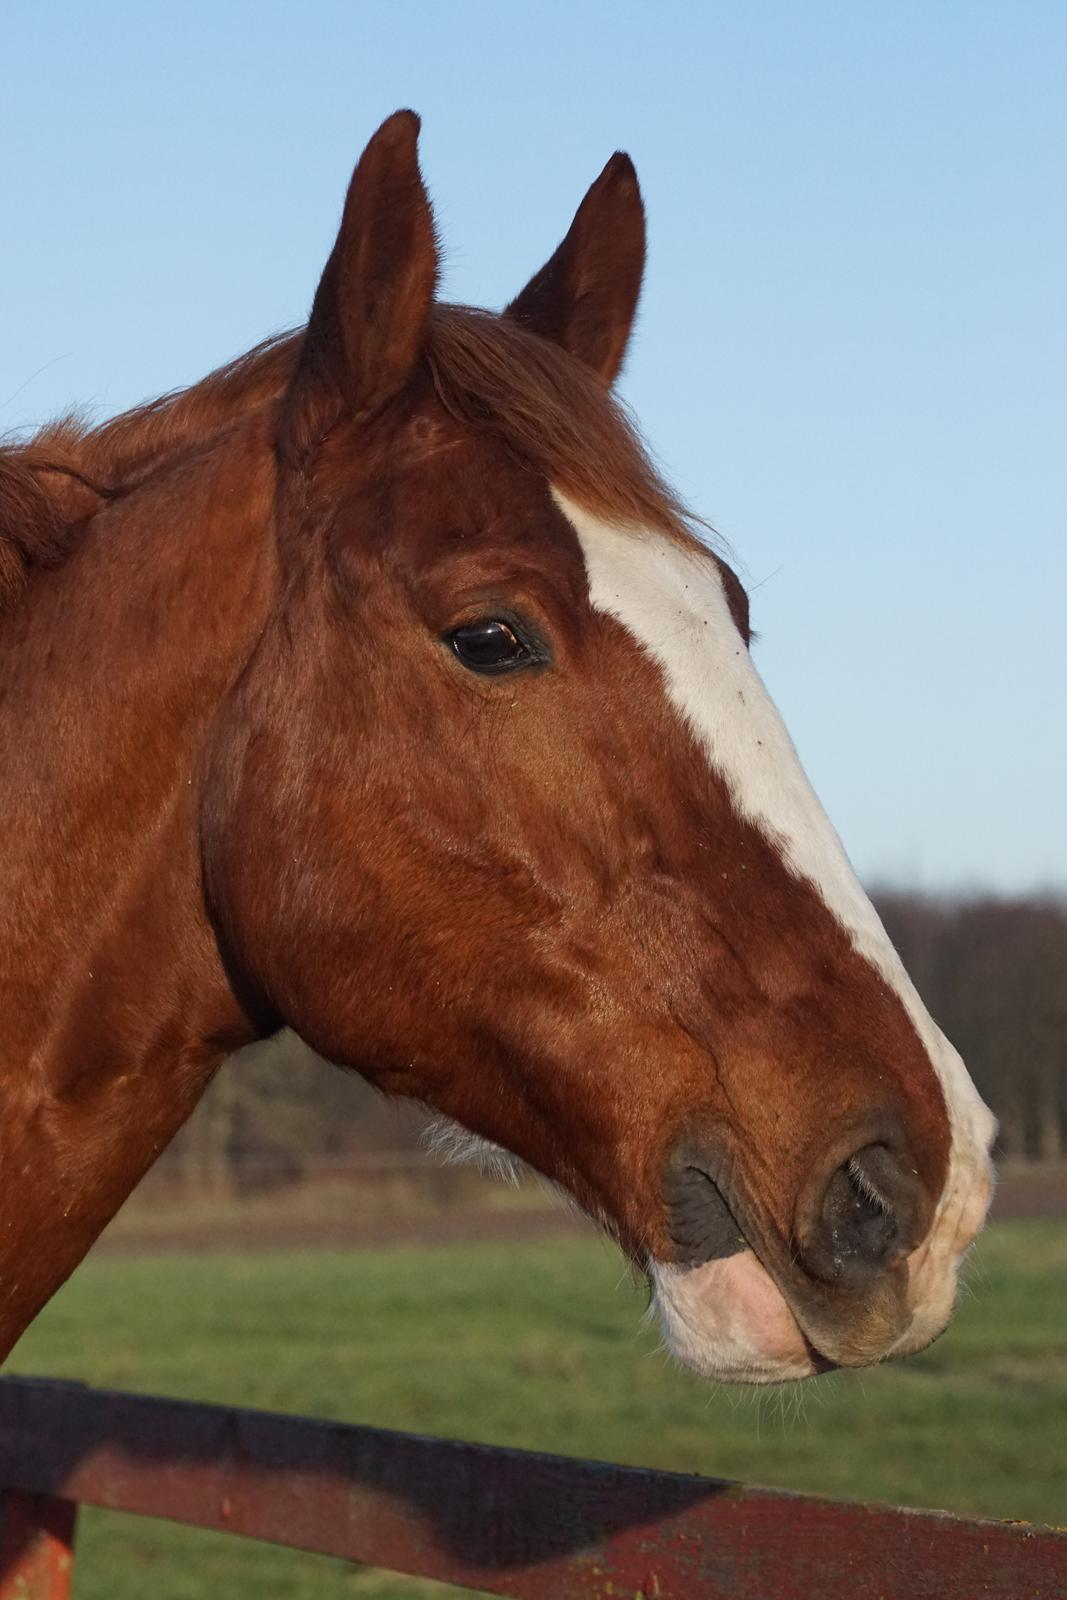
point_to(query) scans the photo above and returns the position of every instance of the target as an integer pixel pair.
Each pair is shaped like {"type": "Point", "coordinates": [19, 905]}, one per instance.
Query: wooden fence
{"type": "Point", "coordinates": [505, 1522]}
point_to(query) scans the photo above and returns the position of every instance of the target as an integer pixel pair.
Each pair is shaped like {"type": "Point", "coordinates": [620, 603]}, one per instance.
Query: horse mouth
{"type": "Point", "coordinates": [739, 1306]}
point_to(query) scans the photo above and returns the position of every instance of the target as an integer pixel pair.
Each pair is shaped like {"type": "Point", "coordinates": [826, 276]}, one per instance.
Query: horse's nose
{"type": "Point", "coordinates": [865, 1217]}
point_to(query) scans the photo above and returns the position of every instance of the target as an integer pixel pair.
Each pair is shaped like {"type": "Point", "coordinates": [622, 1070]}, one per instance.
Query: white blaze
{"type": "Point", "coordinates": [672, 600]}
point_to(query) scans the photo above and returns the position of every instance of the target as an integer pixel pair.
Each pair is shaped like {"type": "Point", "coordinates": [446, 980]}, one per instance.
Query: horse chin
{"type": "Point", "coordinates": [728, 1320]}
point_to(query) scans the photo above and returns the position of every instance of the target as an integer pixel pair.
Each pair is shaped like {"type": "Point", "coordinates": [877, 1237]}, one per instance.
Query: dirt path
{"type": "Point", "coordinates": [1025, 1192]}
{"type": "Point", "coordinates": [384, 1232]}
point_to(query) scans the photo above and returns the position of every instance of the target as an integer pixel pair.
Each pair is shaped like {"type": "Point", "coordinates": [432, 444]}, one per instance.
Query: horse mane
{"type": "Point", "coordinates": [488, 372]}
{"type": "Point", "coordinates": [53, 484]}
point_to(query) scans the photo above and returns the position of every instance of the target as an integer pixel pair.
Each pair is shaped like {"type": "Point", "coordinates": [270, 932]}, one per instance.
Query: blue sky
{"type": "Point", "coordinates": [852, 346]}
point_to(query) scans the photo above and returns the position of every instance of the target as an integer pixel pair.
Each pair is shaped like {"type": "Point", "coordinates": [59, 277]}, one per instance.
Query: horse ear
{"type": "Point", "coordinates": [369, 317]}
{"type": "Point", "coordinates": [585, 297]}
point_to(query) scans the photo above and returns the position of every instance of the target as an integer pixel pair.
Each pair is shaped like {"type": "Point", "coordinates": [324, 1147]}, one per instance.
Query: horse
{"type": "Point", "coordinates": [378, 686]}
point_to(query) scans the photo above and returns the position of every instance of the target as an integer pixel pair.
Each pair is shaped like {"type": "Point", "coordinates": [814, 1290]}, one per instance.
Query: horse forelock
{"type": "Point", "coordinates": [553, 413]}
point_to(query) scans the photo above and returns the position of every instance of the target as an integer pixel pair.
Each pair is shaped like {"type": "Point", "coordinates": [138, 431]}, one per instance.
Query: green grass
{"type": "Point", "coordinates": [542, 1346]}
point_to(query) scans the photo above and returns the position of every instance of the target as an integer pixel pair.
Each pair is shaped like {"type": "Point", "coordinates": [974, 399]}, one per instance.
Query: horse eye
{"type": "Point", "coordinates": [489, 645]}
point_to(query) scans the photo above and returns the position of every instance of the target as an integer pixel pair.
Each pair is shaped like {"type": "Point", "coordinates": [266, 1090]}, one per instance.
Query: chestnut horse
{"type": "Point", "coordinates": [377, 686]}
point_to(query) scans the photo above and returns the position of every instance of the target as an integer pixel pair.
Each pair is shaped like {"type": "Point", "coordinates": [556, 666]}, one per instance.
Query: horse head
{"type": "Point", "coordinates": [500, 814]}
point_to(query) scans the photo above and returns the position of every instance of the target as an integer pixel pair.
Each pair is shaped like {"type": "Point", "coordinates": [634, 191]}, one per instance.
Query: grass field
{"type": "Point", "coordinates": [541, 1345]}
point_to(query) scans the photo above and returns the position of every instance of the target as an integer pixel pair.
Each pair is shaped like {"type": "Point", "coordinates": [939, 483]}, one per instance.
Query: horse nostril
{"type": "Point", "coordinates": [865, 1218]}
{"type": "Point", "coordinates": [702, 1226]}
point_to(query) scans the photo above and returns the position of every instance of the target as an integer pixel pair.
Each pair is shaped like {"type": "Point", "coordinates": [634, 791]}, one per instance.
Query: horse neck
{"type": "Point", "coordinates": [114, 1004]}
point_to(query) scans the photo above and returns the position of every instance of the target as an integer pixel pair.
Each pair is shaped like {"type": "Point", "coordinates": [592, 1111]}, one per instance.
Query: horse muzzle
{"type": "Point", "coordinates": [869, 1270]}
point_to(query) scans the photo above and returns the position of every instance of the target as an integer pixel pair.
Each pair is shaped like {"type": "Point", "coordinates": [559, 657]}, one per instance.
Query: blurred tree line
{"type": "Point", "coordinates": [993, 971]}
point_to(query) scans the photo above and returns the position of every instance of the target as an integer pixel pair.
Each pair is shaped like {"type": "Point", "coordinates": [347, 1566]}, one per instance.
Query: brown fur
{"type": "Point", "coordinates": [486, 371]}
{"type": "Point", "coordinates": [246, 782]}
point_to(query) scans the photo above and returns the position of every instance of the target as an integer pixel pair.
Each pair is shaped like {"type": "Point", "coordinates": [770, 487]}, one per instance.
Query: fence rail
{"type": "Point", "coordinates": [507, 1522]}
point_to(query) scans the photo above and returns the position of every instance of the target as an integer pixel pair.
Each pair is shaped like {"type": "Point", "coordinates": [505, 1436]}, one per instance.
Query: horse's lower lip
{"type": "Point", "coordinates": [728, 1320]}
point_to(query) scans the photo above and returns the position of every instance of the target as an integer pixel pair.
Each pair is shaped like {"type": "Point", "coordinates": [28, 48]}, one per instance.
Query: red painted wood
{"type": "Point", "coordinates": [36, 1546]}
{"type": "Point", "coordinates": [506, 1521]}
